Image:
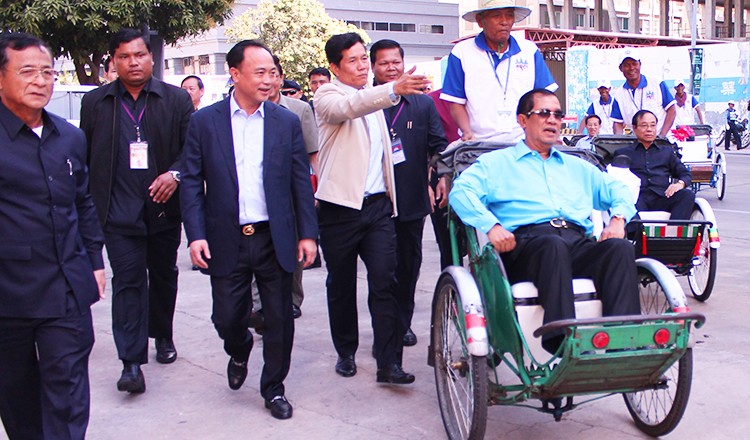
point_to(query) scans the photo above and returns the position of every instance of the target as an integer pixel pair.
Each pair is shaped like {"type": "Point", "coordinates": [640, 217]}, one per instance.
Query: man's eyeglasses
{"type": "Point", "coordinates": [29, 74]}
{"type": "Point", "coordinates": [546, 113]}
{"type": "Point", "coordinates": [288, 92]}
{"type": "Point", "coordinates": [647, 126]}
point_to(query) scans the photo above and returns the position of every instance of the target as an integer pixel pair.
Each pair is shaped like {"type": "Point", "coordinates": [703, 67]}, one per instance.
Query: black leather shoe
{"type": "Point", "coordinates": [236, 373]}
{"type": "Point", "coordinates": [296, 311]}
{"type": "Point", "coordinates": [394, 374]}
{"type": "Point", "coordinates": [345, 366]}
{"type": "Point", "coordinates": [280, 407]}
{"type": "Point", "coordinates": [132, 379]}
{"type": "Point", "coordinates": [410, 339]}
{"type": "Point", "coordinates": [165, 351]}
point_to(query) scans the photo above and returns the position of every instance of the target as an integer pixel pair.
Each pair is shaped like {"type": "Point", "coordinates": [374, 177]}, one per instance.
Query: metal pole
{"type": "Point", "coordinates": [694, 27]}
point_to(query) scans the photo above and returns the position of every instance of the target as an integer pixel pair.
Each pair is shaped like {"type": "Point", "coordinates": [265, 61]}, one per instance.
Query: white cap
{"type": "Point", "coordinates": [632, 53]}
{"type": "Point", "coordinates": [677, 82]}
{"type": "Point", "coordinates": [730, 102]}
{"type": "Point", "coordinates": [519, 12]}
{"type": "Point", "coordinates": [603, 83]}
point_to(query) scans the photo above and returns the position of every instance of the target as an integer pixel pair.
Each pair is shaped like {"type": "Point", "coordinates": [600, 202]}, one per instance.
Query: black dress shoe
{"type": "Point", "coordinates": [236, 373]}
{"type": "Point", "coordinates": [410, 339]}
{"type": "Point", "coordinates": [345, 366]}
{"type": "Point", "coordinates": [394, 374]}
{"type": "Point", "coordinates": [165, 351]}
{"type": "Point", "coordinates": [296, 311]}
{"type": "Point", "coordinates": [132, 379]}
{"type": "Point", "coordinates": [280, 407]}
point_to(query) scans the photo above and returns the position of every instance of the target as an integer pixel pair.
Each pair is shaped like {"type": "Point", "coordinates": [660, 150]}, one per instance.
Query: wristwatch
{"type": "Point", "coordinates": [175, 175]}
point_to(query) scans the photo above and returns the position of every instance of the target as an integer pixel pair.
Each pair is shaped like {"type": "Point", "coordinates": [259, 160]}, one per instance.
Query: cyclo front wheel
{"type": "Point", "coordinates": [702, 276]}
{"type": "Point", "coordinates": [658, 411]}
{"type": "Point", "coordinates": [460, 378]}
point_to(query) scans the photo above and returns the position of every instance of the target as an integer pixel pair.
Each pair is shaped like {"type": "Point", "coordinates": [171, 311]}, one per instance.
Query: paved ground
{"type": "Point", "coordinates": [190, 398]}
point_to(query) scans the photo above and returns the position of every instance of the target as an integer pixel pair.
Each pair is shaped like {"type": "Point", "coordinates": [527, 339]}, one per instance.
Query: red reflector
{"type": "Point", "coordinates": [661, 336]}
{"type": "Point", "coordinates": [600, 340]}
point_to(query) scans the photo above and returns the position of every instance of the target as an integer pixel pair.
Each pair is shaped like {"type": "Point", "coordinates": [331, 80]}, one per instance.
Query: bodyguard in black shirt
{"type": "Point", "coordinates": [136, 129]}
{"type": "Point", "coordinates": [658, 166]}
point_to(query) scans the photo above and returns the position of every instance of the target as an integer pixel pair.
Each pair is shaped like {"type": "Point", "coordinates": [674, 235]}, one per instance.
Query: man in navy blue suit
{"type": "Point", "coordinates": [51, 266]}
{"type": "Point", "coordinates": [248, 211]}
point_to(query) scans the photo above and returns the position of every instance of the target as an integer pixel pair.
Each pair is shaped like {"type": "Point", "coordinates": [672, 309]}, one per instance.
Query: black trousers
{"type": "Point", "coordinates": [680, 205]}
{"type": "Point", "coordinates": [370, 234]}
{"type": "Point", "coordinates": [735, 132]}
{"type": "Point", "coordinates": [232, 305]}
{"type": "Point", "coordinates": [551, 258]}
{"type": "Point", "coordinates": [439, 218]}
{"type": "Point", "coordinates": [44, 377]}
{"type": "Point", "coordinates": [408, 263]}
{"type": "Point", "coordinates": [144, 289]}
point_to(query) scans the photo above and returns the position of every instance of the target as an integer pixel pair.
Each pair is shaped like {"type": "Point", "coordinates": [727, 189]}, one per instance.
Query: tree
{"type": "Point", "coordinates": [81, 29]}
{"type": "Point", "coordinates": [295, 30]}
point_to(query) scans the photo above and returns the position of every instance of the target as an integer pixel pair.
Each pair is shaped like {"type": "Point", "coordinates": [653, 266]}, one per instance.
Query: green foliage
{"type": "Point", "coordinates": [80, 29]}
{"type": "Point", "coordinates": [295, 30]}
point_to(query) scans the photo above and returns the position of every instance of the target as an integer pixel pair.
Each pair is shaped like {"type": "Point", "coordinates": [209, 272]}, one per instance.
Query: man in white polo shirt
{"type": "Point", "coordinates": [640, 94]}
{"type": "Point", "coordinates": [487, 75]}
{"type": "Point", "coordinates": [686, 105]}
{"type": "Point", "coordinates": [604, 107]}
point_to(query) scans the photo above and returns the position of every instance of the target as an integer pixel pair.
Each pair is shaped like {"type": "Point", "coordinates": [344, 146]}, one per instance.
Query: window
{"type": "Point", "coordinates": [397, 27]}
{"type": "Point", "coordinates": [381, 26]}
{"type": "Point", "coordinates": [624, 23]}
{"type": "Point", "coordinates": [353, 22]}
{"type": "Point", "coordinates": [580, 20]}
{"type": "Point", "coordinates": [204, 64]}
{"type": "Point", "coordinates": [434, 28]}
{"type": "Point", "coordinates": [367, 25]}
{"type": "Point", "coordinates": [187, 64]}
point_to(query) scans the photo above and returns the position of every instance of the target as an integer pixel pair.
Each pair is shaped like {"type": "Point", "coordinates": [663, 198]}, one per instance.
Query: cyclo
{"type": "Point", "coordinates": [485, 343]}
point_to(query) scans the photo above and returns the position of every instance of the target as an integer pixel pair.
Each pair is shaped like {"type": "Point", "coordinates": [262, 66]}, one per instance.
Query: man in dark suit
{"type": "Point", "coordinates": [249, 212]}
{"type": "Point", "coordinates": [135, 128]}
{"type": "Point", "coordinates": [414, 123]}
{"type": "Point", "coordinates": [51, 267]}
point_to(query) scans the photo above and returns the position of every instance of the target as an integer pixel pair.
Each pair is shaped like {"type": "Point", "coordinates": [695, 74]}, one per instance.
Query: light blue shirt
{"type": "Point", "coordinates": [247, 136]}
{"type": "Point", "coordinates": [585, 144]}
{"type": "Point", "coordinates": [516, 187]}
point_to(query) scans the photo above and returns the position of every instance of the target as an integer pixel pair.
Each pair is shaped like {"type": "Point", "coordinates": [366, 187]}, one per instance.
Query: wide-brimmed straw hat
{"type": "Point", "coordinates": [520, 12]}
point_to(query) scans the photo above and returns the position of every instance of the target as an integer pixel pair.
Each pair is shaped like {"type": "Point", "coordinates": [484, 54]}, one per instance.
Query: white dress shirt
{"type": "Point", "coordinates": [247, 137]}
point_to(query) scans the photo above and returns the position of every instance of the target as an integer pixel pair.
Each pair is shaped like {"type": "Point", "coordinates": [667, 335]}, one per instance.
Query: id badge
{"type": "Point", "coordinates": [139, 155]}
{"type": "Point", "coordinates": [505, 121]}
{"type": "Point", "coordinates": [397, 151]}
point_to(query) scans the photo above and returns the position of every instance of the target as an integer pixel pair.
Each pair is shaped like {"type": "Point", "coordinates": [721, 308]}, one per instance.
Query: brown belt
{"type": "Point", "coordinates": [369, 200]}
{"type": "Point", "coordinates": [252, 228]}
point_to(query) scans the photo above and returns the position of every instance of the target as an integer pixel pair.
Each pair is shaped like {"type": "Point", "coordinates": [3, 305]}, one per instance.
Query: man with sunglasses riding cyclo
{"type": "Point", "coordinates": [534, 203]}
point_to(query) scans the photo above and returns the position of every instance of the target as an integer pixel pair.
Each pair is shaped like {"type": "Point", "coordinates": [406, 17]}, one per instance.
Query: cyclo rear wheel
{"type": "Point", "coordinates": [701, 277]}
{"type": "Point", "coordinates": [657, 412]}
{"type": "Point", "coordinates": [460, 378]}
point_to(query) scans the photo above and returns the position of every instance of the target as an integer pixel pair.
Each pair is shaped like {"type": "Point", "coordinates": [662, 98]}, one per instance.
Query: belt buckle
{"type": "Point", "coordinates": [248, 230]}
{"type": "Point", "coordinates": [558, 222]}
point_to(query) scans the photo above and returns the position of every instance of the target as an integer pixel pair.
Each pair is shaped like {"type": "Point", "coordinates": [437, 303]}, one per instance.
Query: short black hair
{"type": "Point", "coordinates": [106, 63]}
{"type": "Point", "coordinates": [126, 35]}
{"type": "Point", "coordinates": [277, 62]}
{"type": "Point", "coordinates": [337, 44]}
{"type": "Point", "coordinates": [319, 71]}
{"type": "Point", "coordinates": [200, 83]}
{"type": "Point", "coordinates": [586, 119]}
{"type": "Point", "coordinates": [19, 41]}
{"type": "Point", "coordinates": [384, 44]}
{"type": "Point", "coordinates": [237, 53]}
{"type": "Point", "coordinates": [526, 103]}
{"type": "Point", "coordinates": [641, 113]}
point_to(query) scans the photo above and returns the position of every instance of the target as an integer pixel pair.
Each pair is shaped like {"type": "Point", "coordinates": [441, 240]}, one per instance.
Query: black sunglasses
{"type": "Point", "coordinates": [546, 113]}
{"type": "Point", "coordinates": [288, 92]}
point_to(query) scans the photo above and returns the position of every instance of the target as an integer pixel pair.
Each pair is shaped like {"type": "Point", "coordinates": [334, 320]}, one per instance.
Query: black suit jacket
{"type": "Point", "coordinates": [656, 166]}
{"type": "Point", "coordinates": [168, 112]}
{"type": "Point", "coordinates": [50, 238]}
{"type": "Point", "coordinates": [213, 214]}
{"type": "Point", "coordinates": [421, 132]}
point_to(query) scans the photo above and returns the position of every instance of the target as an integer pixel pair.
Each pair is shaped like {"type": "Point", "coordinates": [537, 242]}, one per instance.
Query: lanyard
{"type": "Point", "coordinates": [632, 98]}
{"type": "Point", "coordinates": [136, 122]}
{"type": "Point", "coordinates": [393, 121]}
{"type": "Point", "coordinates": [507, 73]}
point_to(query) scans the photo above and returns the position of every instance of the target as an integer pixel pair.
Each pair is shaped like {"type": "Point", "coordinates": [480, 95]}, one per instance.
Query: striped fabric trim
{"type": "Point", "coordinates": [688, 231]}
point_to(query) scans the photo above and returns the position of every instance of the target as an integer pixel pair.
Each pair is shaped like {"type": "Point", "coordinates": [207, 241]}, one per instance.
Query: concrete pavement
{"type": "Point", "coordinates": [190, 399]}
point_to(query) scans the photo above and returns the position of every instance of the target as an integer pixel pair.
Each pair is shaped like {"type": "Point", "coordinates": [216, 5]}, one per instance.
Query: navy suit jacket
{"type": "Point", "coordinates": [213, 214]}
{"type": "Point", "coordinates": [50, 238]}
